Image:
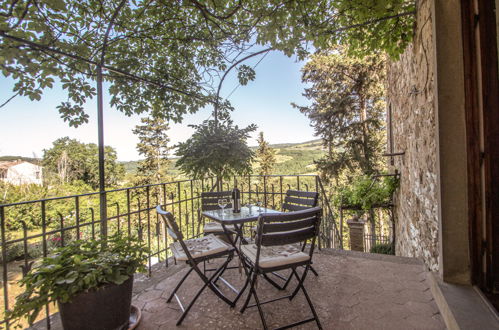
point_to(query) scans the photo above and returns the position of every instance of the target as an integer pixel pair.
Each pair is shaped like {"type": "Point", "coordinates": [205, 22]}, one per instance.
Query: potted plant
{"type": "Point", "coordinates": [91, 281]}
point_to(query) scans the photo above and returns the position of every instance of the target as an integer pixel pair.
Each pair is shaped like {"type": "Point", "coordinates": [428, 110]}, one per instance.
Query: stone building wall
{"type": "Point", "coordinates": [411, 98]}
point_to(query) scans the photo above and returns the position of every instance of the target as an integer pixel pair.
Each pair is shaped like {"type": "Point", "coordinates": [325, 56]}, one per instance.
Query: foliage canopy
{"type": "Point", "coordinates": [218, 150]}
{"type": "Point", "coordinates": [71, 160]}
{"type": "Point", "coordinates": [347, 110]}
{"type": "Point", "coordinates": [365, 192]}
{"type": "Point", "coordinates": [178, 49]}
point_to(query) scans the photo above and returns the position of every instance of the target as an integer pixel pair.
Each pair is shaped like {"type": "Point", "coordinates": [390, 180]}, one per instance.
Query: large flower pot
{"type": "Point", "coordinates": [105, 308]}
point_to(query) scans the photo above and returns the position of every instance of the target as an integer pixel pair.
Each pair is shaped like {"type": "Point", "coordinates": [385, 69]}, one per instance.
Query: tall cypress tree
{"type": "Point", "coordinates": [153, 145]}
{"type": "Point", "coordinates": [265, 155]}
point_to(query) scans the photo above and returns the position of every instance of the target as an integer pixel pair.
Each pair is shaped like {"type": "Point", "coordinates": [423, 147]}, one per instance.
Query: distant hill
{"type": "Point", "coordinates": [292, 158]}
{"type": "Point", "coordinates": [297, 158]}
{"type": "Point", "coordinates": [308, 144]}
{"type": "Point", "coordinates": [26, 159]}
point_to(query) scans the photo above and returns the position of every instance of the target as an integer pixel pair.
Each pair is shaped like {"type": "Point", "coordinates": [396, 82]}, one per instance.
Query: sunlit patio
{"type": "Point", "coordinates": [403, 96]}
{"type": "Point", "coordinates": [353, 291]}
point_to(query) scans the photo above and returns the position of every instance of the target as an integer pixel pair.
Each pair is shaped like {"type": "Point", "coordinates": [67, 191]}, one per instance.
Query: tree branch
{"type": "Point", "coordinates": [9, 99]}
{"type": "Point", "coordinates": [217, 100]}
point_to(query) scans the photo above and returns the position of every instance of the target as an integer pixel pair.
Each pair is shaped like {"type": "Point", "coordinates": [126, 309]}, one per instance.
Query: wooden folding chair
{"type": "Point", "coordinates": [194, 252]}
{"type": "Point", "coordinates": [275, 249]}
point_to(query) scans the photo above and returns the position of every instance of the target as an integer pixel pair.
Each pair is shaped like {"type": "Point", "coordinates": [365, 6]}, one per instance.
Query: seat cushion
{"type": "Point", "coordinates": [275, 256]}
{"type": "Point", "coordinates": [200, 247]}
{"type": "Point", "coordinates": [215, 227]}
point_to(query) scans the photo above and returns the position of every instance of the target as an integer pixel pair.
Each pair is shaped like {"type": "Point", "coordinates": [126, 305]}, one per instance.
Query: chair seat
{"type": "Point", "coordinates": [215, 227]}
{"type": "Point", "coordinates": [275, 256]}
{"type": "Point", "coordinates": [200, 247]}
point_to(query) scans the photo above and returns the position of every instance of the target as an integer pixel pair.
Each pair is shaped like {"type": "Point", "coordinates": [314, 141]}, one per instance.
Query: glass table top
{"type": "Point", "coordinates": [246, 215]}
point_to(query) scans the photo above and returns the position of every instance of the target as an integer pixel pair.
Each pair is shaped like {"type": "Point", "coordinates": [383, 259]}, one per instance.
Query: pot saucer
{"type": "Point", "coordinates": [135, 315]}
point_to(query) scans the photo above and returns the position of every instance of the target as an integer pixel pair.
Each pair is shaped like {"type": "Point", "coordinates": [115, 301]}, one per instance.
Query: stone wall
{"type": "Point", "coordinates": [411, 98]}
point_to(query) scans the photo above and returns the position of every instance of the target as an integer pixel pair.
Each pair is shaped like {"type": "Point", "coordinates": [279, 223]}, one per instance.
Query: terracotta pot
{"type": "Point", "coordinates": [105, 308]}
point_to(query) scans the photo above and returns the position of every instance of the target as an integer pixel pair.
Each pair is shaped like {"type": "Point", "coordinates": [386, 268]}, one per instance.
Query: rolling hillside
{"type": "Point", "coordinates": [292, 158]}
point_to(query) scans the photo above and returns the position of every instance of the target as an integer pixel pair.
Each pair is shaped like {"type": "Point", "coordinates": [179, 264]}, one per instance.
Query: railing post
{"type": "Point", "coordinates": [280, 189]}
{"type": "Point", "coordinates": [5, 281]}
{"type": "Point", "coordinates": [265, 191]}
{"type": "Point", "coordinates": [118, 220]}
{"type": "Point", "coordinates": [191, 186]}
{"type": "Point", "coordinates": [341, 225]}
{"type": "Point", "coordinates": [77, 216]}
{"type": "Point", "coordinates": [129, 220]}
{"type": "Point", "coordinates": [61, 221]}
{"type": "Point", "coordinates": [249, 188]}
{"type": "Point", "coordinates": [148, 206]}
{"type": "Point", "coordinates": [179, 196]}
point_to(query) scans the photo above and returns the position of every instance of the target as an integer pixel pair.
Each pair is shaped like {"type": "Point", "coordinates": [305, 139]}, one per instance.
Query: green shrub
{"type": "Point", "coordinates": [382, 248]}
{"type": "Point", "coordinates": [364, 192]}
{"type": "Point", "coordinates": [15, 251]}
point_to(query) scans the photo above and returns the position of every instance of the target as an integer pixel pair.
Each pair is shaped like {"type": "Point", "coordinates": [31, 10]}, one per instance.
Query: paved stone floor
{"type": "Point", "coordinates": [353, 291]}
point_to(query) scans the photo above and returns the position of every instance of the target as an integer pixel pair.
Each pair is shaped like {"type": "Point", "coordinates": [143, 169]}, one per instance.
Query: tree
{"type": "Point", "coordinates": [72, 160]}
{"type": "Point", "coordinates": [153, 145]}
{"type": "Point", "coordinates": [265, 155]}
{"type": "Point", "coordinates": [216, 149]}
{"type": "Point", "coordinates": [347, 110]}
{"type": "Point", "coordinates": [165, 56]}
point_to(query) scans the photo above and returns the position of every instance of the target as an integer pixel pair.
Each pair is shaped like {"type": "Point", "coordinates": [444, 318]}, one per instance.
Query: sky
{"type": "Point", "coordinates": [27, 127]}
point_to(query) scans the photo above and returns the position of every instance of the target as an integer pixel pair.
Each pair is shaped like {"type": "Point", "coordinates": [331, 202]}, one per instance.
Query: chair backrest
{"type": "Point", "coordinates": [209, 199]}
{"type": "Point", "coordinates": [171, 225]}
{"type": "Point", "coordinates": [173, 230]}
{"type": "Point", "coordinates": [297, 200]}
{"type": "Point", "coordinates": [288, 228]}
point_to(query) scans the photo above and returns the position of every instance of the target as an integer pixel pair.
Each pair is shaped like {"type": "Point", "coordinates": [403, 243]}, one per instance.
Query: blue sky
{"type": "Point", "coordinates": [26, 127]}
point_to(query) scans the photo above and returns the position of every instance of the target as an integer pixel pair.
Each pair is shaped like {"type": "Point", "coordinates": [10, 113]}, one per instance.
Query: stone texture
{"type": "Point", "coordinates": [353, 291]}
{"type": "Point", "coordinates": [411, 98]}
{"type": "Point", "coordinates": [356, 228]}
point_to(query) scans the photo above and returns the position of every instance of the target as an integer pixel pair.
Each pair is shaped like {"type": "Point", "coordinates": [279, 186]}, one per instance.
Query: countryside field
{"type": "Point", "coordinates": [291, 158]}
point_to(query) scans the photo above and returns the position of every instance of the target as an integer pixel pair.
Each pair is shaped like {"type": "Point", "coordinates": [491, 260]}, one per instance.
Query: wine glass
{"type": "Point", "coordinates": [222, 202]}
{"type": "Point", "coordinates": [259, 204]}
{"type": "Point", "coordinates": [248, 205]}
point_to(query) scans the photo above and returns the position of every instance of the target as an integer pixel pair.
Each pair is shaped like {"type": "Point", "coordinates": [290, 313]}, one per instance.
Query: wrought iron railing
{"type": "Point", "coordinates": [32, 229]}
{"type": "Point", "coordinates": [372, 240]}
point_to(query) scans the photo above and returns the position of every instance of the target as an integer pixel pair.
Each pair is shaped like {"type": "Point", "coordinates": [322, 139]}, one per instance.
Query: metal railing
{"type": "Point", "coordinates": [372, 240]}
{"type": "Point", "coordinates": [33, 229]}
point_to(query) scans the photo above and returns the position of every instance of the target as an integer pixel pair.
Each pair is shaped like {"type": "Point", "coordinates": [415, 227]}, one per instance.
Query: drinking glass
{"type": "Point", "coordinates": [222, 202]}
{"type": "Point", "coordinates": [248, 205]}
{"type": "Point", "coordinates": [259, 204]}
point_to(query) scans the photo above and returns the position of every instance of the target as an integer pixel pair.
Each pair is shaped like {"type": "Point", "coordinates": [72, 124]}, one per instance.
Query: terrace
{"type": "Point", "coordinates": [442, 98]}
{"type": "Point", "coordinates": [363, 289]}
